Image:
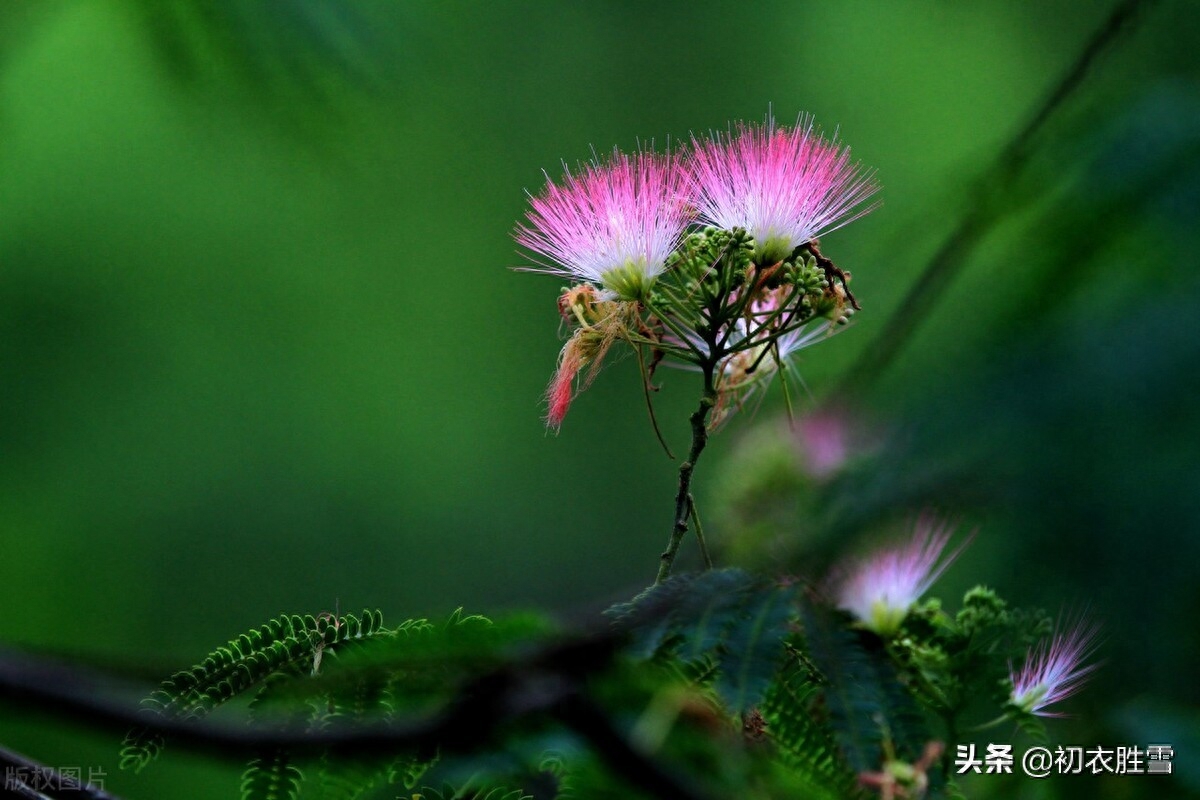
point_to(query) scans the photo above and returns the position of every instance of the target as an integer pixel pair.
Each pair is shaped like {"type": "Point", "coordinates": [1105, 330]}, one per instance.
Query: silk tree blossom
{"type": "Point", "coordinates": [880, 590]}
{"type": "Point", "coordinates": [1054, 669]}
{"type": "Point", "coordinates": [611, 224]}
{"type": "Point", "coordinates": [784, 186]}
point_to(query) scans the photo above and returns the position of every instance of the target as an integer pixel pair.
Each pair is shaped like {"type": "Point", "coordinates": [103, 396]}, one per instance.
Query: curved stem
{"type": "Point", "coordinates": [683, 501]}
{"type": "Point", "coordinates": [646, 387]}
{"type": "Point", "coordinates": [768, 320]}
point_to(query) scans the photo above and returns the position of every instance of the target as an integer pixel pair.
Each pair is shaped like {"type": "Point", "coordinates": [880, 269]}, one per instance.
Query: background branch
{"type": "Point", "coordinates": [955, 252]}
{"type": "Point", "coordinates": [548, 682]}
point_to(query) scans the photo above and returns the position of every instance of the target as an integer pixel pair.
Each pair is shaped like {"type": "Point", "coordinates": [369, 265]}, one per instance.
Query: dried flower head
{"type": "Point", "coordinates": [1054, 669]}
{"type": "Point", "coordinates": [598, 325]}
{"type": "Point", "coordinates": [785, 186]}
{"type": "Point", "coordinates": [612, 224]}
{"type": "Point", "coordinates": [879, 590]}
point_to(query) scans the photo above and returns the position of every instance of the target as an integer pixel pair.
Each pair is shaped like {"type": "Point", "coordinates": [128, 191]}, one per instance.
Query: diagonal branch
{"type": "Point", "coordinates": [983, 215]}
{"type": "Point", "coordinates": [548, 683]}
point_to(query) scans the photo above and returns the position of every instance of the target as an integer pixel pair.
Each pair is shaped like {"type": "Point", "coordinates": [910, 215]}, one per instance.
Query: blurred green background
{"type": "Point", "coordinates": [261, 350]}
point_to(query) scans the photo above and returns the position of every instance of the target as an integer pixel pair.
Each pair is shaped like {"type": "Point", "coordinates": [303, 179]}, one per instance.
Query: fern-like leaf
{"type": "Point", "coordinates": [288, 643]}
{"type": "Point", "coordinates": [350, 779]}
{"type": "Point", "coordinates": [867, 704]}
{"type": "Point", "coordinates": [729, 616]}
{"type": "Point", "coordinates": [699, 603]}
{"type": "Point", "coordinates": [272, 776]}
{"type": "Point", "coordinates": [806, 745]}
{"type": "Point", "coordinates": [1031, 726]}
{"type": "Point", "coordinates": [750, 653]}
{"type": "Point", "coordinates": [408, 771]}
{"type": "Point", "coordinates": [140, 747]}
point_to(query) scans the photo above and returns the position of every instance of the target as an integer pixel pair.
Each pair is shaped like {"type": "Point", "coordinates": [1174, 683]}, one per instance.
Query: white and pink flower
{"type": "Point", "coordinates": [784, 186]}
{"type": "Point", "coordinates": [611, 224]}
{"type": "Point", "coordinates": [879, 590]}
{"type": "Point", "coordinates": [1054, 670]}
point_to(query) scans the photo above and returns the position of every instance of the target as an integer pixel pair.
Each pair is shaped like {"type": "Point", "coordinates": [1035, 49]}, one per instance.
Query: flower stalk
{"type": "Point", "coordinates": [685, 504]}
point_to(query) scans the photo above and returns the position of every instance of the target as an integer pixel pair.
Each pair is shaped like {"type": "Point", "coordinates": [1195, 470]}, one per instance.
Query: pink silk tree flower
{"type": "Point", "coordinates": [880, 589]}
{"type": "Point", "coordinates": [825, 439]}
{"type": "Point", "coordinates": [612, 224]}
{"type": "Point", "coordinates": [1054, 669]}
{"type": "Point", "coordinates": [784, 186]}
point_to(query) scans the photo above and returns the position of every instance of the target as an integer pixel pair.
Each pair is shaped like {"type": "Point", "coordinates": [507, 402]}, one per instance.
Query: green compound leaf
{"type": "Point", "coordinates": [352, 779]}
{"type": "Point", "coordinates": [272, 776]}
{"type": "Point", "coordinates": [288, 643]}
{"type": "Point", "coordinates": [806, 745]}
{"type": "Point", "coordinates": [308, 673]}
{"type": "Point", "coordinates": [750, 653]}
{"type": "Point", "coordinates": [729, 617]}
{"type": "Point", "coordinates": [866, 702]}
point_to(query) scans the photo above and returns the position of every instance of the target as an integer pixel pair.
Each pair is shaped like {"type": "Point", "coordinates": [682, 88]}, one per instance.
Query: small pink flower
{"type": "Point", "coordinates": [612, 224]}
{"type": "Point", "coordinates": [826, 441]}
{"type": "Point", "coordinates": [880, 590]}
{"type": "Point", "coordinates": [1054, 669]}
{"type": "Point", "coordinates": [785, 186]}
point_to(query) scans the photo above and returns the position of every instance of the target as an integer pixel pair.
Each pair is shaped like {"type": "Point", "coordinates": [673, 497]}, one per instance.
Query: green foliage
{"type": "Point", "coordinates": [287, 644]}
{"type": "Point", "coordinates": [953, 663]}
{"type": "Point", "coordinates": [749, 654]}
{"type": "Point", "coordinates": [734, 681]}
{"type": "Point", "coordinates": [273, 774]}
{"type": "Point", "coordinates": [793, 715]}
{"type": "Point", "coordinates": [272, 777]}
{"type": "Point", "coordinates": [413, 668]}
{"type": "Point", "coordinates": [351, 778]}
{"type": "Point", "coordinates": [870, 709]}
{"type": "Point", "coordinates": [734, 619]}
{"type": "Point", "coordinates": [313, 673]}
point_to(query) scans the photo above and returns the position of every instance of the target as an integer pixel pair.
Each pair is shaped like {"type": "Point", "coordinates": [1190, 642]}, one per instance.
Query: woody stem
{"type": "Point", "coordinates": [683, 499]}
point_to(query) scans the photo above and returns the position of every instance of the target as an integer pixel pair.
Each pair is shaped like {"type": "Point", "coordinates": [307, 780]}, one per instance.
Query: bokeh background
{"type": "Point", "coordinates": [261, 349]}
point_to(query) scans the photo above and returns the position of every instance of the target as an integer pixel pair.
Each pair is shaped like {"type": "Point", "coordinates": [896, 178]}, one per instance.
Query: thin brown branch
{"type": "Point", "coordinates": [683, 496]}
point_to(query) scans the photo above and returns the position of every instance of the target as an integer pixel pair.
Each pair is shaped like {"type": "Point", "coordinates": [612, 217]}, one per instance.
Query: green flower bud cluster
{"type": "Point", "coordinates": [713, 258]}
{"type": "Point", "coordinates": [803, 272]}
